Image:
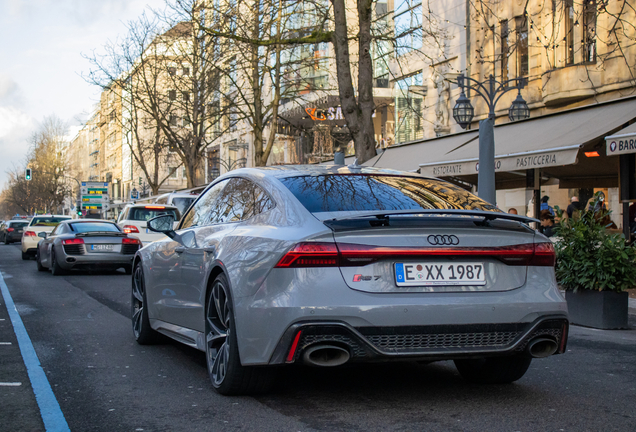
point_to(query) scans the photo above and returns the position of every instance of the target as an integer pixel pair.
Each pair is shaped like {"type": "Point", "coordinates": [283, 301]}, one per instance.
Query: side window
{"type": "Point", "coordinates": [262, 203]}
{"type": "Point", "coordinates": [241, 200]}
{"type": "Point", "coordinates": [236, 203]}
{"type": "Point", "coordinates": [202, 212]}
{"type": "Point", "coordinates": [57, 230]}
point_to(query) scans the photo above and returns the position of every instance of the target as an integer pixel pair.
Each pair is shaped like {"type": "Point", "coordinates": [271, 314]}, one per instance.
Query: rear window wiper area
{"type": "Point", "coordinates": [383, 217]}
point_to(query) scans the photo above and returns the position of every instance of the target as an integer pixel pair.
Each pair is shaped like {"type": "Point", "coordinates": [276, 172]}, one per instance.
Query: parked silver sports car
{"type": "Point", "coordinates": [328, 264]}
{"type": "Point", "coordinates": [86, 244]}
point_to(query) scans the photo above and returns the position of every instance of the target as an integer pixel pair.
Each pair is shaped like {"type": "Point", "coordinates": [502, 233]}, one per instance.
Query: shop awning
{"type": "Point", "coordinates": [544, 142]}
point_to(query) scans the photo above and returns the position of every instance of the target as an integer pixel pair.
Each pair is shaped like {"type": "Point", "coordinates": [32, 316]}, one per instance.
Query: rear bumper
{"type": "Point", "coordinates": [288, 299]}
{"type": "Point", "coordinates": [439, 342]}
{"type": "Point", "coordinates": [95, 260]}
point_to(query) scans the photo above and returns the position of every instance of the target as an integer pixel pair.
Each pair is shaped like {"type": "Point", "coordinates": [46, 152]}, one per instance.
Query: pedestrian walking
{"type": "Point", "coordinates": [547, 223]}
{"type": "Point", "coordinates": [545, 205]}
{"type": "Point", "coordinates": [574, 206]}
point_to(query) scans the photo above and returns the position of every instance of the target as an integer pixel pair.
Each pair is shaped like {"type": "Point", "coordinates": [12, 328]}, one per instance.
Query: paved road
{"type": "Point", "coordinates": [80, 328]}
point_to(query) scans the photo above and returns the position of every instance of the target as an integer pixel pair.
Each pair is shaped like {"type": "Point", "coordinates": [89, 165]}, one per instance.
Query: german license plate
{"type": "Point", "coordinates": [439, 273]}
{"type": "Point", "coordinates": [102, 247]}
{"type": "Point", "coordinates": [19, 231]}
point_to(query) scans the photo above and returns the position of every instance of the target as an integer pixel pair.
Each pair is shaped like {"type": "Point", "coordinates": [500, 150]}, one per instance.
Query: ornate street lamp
{"type": "Point", "coordinates": [519, 109]}
{"type": "Point", "coordinates": [463, 113]}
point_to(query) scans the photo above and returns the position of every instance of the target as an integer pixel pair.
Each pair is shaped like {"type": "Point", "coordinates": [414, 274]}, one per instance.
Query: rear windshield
{"type": "Point", "coordinates": [359, 192]}
{"type": "Point", "coordinates": [49, 221]}
{"type": "Point", "coordinates": [82, 227]}
{"type": "Point", "coordinates": [182, 203]}
{"type": "Point", "coordinates": [144, 214]}
{"type": "Point", "coordinates": [18, 224]}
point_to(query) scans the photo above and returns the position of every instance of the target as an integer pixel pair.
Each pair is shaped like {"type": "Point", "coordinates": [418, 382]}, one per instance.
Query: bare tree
{"type": "Point", "coordinates": [48, 187]}
{"type": "Point", "coordinates": [165, 79]}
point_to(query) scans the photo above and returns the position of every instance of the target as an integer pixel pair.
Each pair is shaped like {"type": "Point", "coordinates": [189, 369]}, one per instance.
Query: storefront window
{"type": "Point", "coordinates": [408, 112]}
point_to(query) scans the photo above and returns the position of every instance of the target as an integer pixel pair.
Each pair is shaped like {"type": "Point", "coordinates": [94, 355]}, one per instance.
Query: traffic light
{"type": "Point", "coordinates": [79, 212]}
{"type": "Point", "coordinates": [27, 174]}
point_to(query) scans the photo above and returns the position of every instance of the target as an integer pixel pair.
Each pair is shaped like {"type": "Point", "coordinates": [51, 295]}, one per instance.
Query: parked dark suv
{"type": "Point", "coordinates": [11, 231]}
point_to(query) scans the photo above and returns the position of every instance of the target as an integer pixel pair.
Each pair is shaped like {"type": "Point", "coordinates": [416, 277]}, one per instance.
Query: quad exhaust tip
{"type": "Point", "coordinates": [326, 356]}
{"type": "Point", "coordinates": [541, 347]}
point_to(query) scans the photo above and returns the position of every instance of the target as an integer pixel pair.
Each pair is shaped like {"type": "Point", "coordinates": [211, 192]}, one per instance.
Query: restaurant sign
{"type": "Point", "coordinates": [622, 145]}
{"type": "Point", "coordinates": [502, 163]}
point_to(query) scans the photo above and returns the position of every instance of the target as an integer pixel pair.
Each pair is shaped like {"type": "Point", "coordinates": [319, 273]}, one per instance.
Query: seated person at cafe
{"type": "Point", "coordinates": [547, 223]}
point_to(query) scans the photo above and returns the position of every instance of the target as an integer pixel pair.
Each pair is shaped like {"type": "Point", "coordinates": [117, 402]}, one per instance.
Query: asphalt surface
{"type": "Point", "coordinates": [80, 328]}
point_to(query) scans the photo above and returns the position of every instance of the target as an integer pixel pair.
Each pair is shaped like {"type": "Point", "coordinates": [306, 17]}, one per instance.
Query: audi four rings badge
{"type": "Point", "coordinates": [448, 240]}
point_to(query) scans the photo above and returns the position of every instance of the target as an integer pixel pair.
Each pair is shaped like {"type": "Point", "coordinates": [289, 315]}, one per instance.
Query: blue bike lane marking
{"type": "Point", "coordinates": [50, 411]}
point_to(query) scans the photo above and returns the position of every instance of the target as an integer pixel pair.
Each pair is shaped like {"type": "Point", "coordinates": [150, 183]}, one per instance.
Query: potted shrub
{"type": "Point", "coordinates": [595, 267]}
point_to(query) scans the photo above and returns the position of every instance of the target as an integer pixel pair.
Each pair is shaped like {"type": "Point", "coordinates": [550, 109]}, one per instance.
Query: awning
{"type": "Point", "coordinates": [622, 142]}
{"type": "Point", "coordinates": [547, 141]}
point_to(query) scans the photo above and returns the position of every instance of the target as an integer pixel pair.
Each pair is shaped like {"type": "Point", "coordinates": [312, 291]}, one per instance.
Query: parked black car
{"type": "Point", "coordinates": [11, 231]}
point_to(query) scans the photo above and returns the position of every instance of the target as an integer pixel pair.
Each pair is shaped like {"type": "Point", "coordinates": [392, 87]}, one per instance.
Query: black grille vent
{"type": "Point", "coordinates": [410, 342]}
{"type": "Point", "coordinates": [74, 249]}
{"type": "Point", "coordinates": [129, 249]}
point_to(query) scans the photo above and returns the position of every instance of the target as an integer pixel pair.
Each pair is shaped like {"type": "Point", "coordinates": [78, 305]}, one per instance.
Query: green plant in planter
{"type": "Point", "coordinates": [588, 256]}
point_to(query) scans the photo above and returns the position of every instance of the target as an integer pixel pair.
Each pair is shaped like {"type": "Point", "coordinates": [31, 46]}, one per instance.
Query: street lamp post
{"type": "Point", "coordinates": [463, 113]}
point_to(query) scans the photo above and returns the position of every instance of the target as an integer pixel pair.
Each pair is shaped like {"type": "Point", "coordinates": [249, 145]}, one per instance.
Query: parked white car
{"type": "Point", "coordinates": [181, 201]}
{"type": "Point", "coordinates": [39, 224]}
{"type": "Point", "coordinates": [133, 218]}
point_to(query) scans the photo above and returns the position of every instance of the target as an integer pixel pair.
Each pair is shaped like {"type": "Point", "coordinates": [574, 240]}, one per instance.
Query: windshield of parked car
{"type": "Point", "coordinates": [82, 227]}
{"type": "Point", "coordinates": [361, 192]}
{"type": "Point", "coordinates": [145, 213]}
{"type": "Point", "coordinates": [182, 203]}
{"type": "Point", "coordinates": [47, 221]}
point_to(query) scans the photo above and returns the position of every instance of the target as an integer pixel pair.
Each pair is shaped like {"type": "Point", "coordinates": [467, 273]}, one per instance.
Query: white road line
{"type": "Point", "coordinates": [9, 384]}
{"type": "Point", "coordinates": [5, 343]}
{"type": "Point", "coordinates": [50, 411]}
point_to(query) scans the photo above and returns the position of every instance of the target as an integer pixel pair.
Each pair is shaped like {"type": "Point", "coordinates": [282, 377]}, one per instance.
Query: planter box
{"type": "Point", "coordinates": [598, 309]}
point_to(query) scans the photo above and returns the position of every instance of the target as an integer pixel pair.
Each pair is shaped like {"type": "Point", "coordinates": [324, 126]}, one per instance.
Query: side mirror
{"type": "Point", "coordinates": [163, 224]}
{"type": "Point", "coordinates": [42, 234]}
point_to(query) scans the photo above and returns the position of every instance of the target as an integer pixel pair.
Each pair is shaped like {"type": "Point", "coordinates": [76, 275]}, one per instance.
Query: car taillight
{"type": "Point", "coordinates": [130, 241]}
{"type": "Point", "coordinates": [73, 241]}
{"type": "Point", "coordinates": [354, 255]}
{"type": "Point", "coordinates": [9, 229]}
{"type": "Point", "coordinates": [544, 255]}
{"type": "Point", "coordinates": [311, 255]}
{"type": "Point", "coordinates": [130, 229]}
{"type": "Point", "coordinates": [30, 234]}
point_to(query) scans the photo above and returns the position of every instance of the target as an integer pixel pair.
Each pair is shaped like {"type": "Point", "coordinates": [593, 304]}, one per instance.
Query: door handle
{"type": "Point", "coordinates": [180, 249]}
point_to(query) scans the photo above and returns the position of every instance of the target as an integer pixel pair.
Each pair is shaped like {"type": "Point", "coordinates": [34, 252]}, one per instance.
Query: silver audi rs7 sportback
{"type": "Point", "coordinates": [86, 244]}
{"type": "Point", "coordinates": [328, 265]}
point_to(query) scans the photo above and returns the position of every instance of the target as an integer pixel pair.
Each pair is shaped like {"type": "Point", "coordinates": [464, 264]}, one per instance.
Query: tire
{"type": "Point", "coordinates": [226, 373]}
{"type": "Point", "coordinates": [6, 240]}
{"type": "Point", "coordinates": [128, 269]}
{"type": "Point", "coordinates": [38, 263]}
{"type": "Point", "coordinates": [56, 270]}
{"type": "Point", "coordinates": [144, 334]}
{"type": "Point", "coordinates": [25, 256]}
{"type": "Point", "coordinates": [494, 370]}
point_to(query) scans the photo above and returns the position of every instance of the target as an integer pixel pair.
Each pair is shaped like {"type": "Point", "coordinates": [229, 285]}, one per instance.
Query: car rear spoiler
{"type": "Point", "coordinates": [101, 234]}
{"type": "Point", "coordinates": [385, 215]}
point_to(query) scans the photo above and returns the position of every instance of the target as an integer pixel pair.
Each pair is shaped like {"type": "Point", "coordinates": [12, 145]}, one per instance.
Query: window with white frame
{"type": "Point", "coordinates": [407, 19]}
{"type": "Point", "coordinates": [408, 109]}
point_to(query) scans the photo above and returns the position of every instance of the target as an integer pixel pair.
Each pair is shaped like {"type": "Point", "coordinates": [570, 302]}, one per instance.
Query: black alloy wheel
{"type": "Point", "coordinates": [226, 373]}
{"type": "Point", "coordinates": [56, 270]}
{"type": "Point", "coordinates": [144, 334]}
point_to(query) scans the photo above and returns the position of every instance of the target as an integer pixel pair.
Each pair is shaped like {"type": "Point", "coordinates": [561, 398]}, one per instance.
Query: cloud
{"type": "Point", "coordinates": [16, 128]}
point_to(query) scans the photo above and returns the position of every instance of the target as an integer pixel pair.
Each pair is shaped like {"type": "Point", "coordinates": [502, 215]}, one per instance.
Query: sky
{"type": "Point", "coordinates": [41, 64]}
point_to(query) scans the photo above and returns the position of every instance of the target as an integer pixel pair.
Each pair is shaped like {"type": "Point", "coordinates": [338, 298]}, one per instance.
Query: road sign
{"type": "Point", "coordinates": [95, 206]}
{"type": "Point", "coordinates": [95, 188]}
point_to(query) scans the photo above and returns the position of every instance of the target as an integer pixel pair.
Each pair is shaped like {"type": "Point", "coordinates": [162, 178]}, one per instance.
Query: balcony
{"type": "Point", "coordinates": [569, 84]}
